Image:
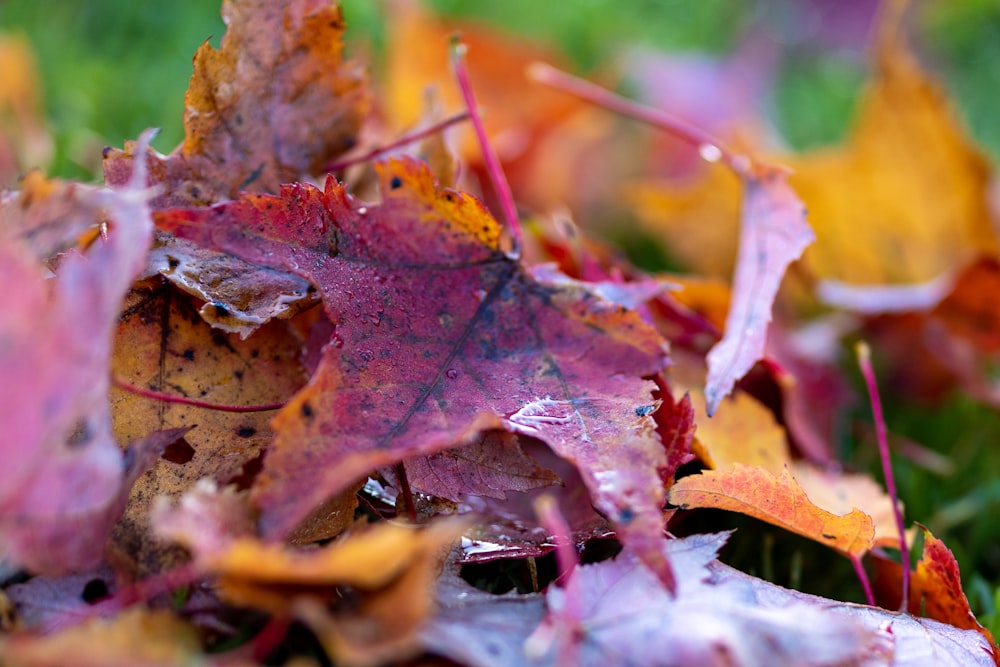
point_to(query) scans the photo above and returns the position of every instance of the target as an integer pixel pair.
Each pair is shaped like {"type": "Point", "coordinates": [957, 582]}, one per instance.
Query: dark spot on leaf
{"type": "Point", "coordinates": [238, 375]}
{"type": "Point", "coordinates": [80, 435]}
{"type": "Point", "coordinates": [307, 411]}
{"type": "Point", "coordinates": [195, 191]}
{"type": "Point", "coordinates": [173, 262]}
{"type": "Point", "coordinates": [254, 353]}
{"type": "Point", "coordinates": [189, 354]}
{"type": "Point", "coordinates": [645, 410]}
{"type": "Point", "coordinates": [626, 515]}
{"type": "Point", "coordinates": [246, 431]}
{"type": "Point", "coordinates": [94, 591]}
{"type": "Point", "coordinates": [220, 310]}
{"type": "Point", "coordinates": [248, 473]}
{"type": "Point", "coordinates": [105, 152]}
{"type": "Point", "coordinates": [396, 182]}
{"type": "Point", "coordinates": [179, 451]}
{"type": "Point", "coordinates": [449, 196]}
{"type": "Point", "coordinates": [829, 537]}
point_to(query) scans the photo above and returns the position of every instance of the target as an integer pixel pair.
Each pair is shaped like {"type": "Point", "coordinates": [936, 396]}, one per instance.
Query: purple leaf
{"type": "Point", "coordinates": [773, 234]}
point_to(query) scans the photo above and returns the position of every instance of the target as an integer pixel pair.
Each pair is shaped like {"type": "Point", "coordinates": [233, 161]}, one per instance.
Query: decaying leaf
{"type": "Point", "coordinates": [381, 575]}
{"type": "Point", "coordinates": [779, 500]}
{"type": "Point", "coordinates": [439, 336]}
{"type": "Point", "coordinates": [276, 101]}
{"type": "Point", "coordinates": [162, 344]}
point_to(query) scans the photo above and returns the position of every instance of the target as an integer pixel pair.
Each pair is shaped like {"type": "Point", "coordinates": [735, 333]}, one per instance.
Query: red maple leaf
{"type": "Point", "coordinates": [439, 336]}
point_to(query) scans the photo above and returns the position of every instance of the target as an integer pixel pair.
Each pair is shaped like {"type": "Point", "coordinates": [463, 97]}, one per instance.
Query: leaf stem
{"type": "Point", "coordinates": [709, 147]}
{"type": "Point", "coordinates": [493, 167]}
{"type": "Point", "coordinates": [125, 385]}
{"type": "Point", "coordinates": [406, 492]}
{"type": "Point", "coordinates": [863, 353]}
{"type": "Point", "coordinates": [416, 135]}
{"type": "Point", "coordinates": [859, 569]}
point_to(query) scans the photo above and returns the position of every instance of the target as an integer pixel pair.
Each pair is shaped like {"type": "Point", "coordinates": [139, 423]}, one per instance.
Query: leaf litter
{"type": "Point", "coordinates": [513, 407]}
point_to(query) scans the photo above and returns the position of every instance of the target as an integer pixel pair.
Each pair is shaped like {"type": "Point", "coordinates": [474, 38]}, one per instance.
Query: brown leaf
{"type": "Point", "coordinates": [162, 344]}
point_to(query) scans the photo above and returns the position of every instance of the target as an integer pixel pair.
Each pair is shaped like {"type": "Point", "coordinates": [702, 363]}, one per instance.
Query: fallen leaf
{"type": "Point", "coordinates": [136, 637]}
{"type": "Point", "coordinates": [969, 310]}
{"type": "Point", "coordinates": [162, 344]}
{"type": "Point", "coordinates": [66, 477]}
{"type": "Point", "coordinates": [778, 500]}
{"type": "Point", "coordinates": [905, 200]}
{"type": "Point", "coordinates": [773, 234]}
{"type": "Point", "coordinates": [489, 467]}
{"type": "Point", "coordinates": [25, 142]}
{"type": "Point", "coordinates": [720, 616]}
{"type": "Point", "coordinates": [251, 107]}
{"type": "Point", "coordinates": [741, 431]}
{"type": "Point", "coordinates": [381, 575]}
{"type": "Point", "coordinates": [46, 603]}
{"type": "Point", "coordinates": [936, 590]}
{"type": "Point", "coordinates": [422, 278]}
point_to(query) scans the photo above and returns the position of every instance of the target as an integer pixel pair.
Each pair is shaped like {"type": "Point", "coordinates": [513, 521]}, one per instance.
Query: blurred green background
{"type": "Point", "coordinates": [111, 68]}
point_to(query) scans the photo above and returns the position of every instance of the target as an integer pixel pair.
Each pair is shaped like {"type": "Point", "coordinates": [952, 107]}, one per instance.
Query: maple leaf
{"type": "Point", "coordinates": [250, 123]}
{"type": "Point", "coordinates": [720, 616]}
{"type": "Point", "coordinates": [161, 344]}
{"type": "Point", "coordinates": [779, 500]}
{"type": "Point", "coordinates": [439, 336]}
{"type": "Point", "coordinates": [251, 109]}
{"type": "Point", "coordinates": [66, 480]}
{"type": "Point", "coordinates": [773, 234]}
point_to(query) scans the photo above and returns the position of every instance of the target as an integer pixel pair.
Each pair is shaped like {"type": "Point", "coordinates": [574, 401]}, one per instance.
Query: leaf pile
{"type": "Point", "coordinates": [258, 413]}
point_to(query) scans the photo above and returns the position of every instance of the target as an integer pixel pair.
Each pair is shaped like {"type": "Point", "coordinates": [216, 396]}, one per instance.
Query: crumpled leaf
{"type": "Point", "coordinates": [274, 102]}
{"type": "Point", "coordinates": [385, 571]}
{"type": "Point", "coordinates": [251, 123]}
{"type": "Point", "coordinates": [778, 500]}
{"type": "Point", "coordinates": [421, 280]}
{"type": "Point", "coordinates": [773, 234]}
{"type": "Point", "coordinates": [64, 475]}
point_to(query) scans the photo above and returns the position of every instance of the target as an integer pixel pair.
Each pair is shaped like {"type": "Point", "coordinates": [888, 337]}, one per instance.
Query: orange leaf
{"type": "Point", "coordinates": [778, 500]}
{"type": "Point", "coordinates": [937, 589]}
